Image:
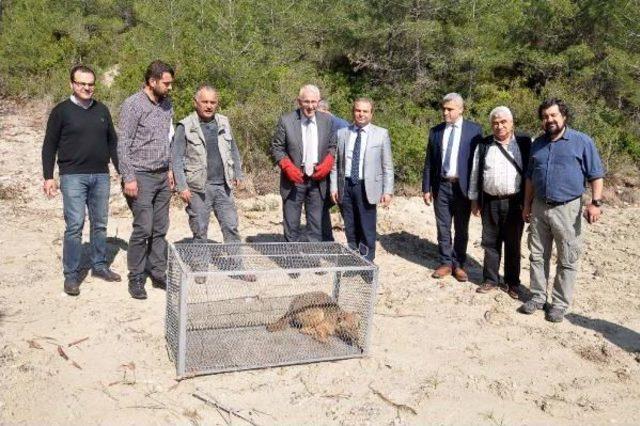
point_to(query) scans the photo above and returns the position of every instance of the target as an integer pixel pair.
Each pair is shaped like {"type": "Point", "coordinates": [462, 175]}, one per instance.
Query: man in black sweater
{"type": "Point", "coordinates": [81, 134]}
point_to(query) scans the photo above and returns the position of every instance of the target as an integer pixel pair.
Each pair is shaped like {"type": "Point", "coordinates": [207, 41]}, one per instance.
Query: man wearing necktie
{"type": "Point", "coordinates": [362, 177]}
{"type": "Point", "coordinates": [304, 148]}
{"type": "Point", "coordinates": [445, 182]}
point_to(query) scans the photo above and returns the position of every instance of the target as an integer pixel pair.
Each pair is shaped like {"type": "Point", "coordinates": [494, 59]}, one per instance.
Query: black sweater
{"type": "Point", "coordinates": [83, 139]}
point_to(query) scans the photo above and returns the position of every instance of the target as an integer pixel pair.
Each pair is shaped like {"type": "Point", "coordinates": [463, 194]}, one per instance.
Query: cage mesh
{"type": "Point", "coordinates": [222, 297]}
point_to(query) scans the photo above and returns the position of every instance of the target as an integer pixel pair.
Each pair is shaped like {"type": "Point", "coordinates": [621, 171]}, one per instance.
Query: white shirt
{"type": "Point", "coordinates": [309, 143]}
{"type": "Point", "coordinates": [453, 165]}
{"type": "Point", "coordinates": [75, 100]}
{"type": "Point", "coordinates": [353, 134]}
{"type": "Point", "coordinates": [499, 177]}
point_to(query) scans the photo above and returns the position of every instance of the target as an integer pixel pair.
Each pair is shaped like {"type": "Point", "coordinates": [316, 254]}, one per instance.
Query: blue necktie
{"type": "Point", "coordinates": [355, 158]}
{"type": "Point", "coordinates": [447, 154]}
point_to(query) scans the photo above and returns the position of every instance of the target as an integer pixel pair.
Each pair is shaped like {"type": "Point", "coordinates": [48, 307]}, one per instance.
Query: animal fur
{"type": "Point", "coordinates": [319, 316]}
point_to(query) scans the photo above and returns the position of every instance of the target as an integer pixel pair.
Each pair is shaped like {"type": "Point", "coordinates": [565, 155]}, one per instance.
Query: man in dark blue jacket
{"type": "Point", "coordinates": [445, 181]}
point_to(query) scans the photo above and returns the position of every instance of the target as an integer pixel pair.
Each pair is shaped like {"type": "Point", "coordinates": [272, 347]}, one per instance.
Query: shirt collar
{"type": "Point", "coordinates": [458, 123]}
{"type": "Point", "coordinates": [512, 140]}
{"type": "Point", "coordinates": [75, 100]}
{"type": "Point", "coordinates": [304, 118]}
{"type": "Point", "coordinates": [365, 129]}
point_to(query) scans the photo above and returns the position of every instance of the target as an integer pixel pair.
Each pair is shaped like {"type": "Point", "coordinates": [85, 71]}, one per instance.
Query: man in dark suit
{"type": "Point", "coordinates": [304, 147]}
{"type": "Point", "coordinates": [445, 181]}
{"type": "Point", "coordinates": [337, 123]}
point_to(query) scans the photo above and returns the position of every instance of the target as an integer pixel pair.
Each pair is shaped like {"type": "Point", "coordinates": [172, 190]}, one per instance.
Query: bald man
{"type": "Point", "coordinates": [206, 165]}
{"type": "Point", "coordinates": [304, 147]}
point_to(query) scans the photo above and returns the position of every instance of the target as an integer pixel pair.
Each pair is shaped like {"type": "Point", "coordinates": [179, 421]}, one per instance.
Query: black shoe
{"type": "Point", "coordinates": [106, 274]}
{"type": "Point", "coordinates": [136, 289]}
{"type": "Point", "coordinates": [160, 283]}
{"type": "Point", "coordinates": [71, 286]}
{"type": "Point", "coordinates": [555, 314]}
{"type": "Point", "coordinates": [530, 307]}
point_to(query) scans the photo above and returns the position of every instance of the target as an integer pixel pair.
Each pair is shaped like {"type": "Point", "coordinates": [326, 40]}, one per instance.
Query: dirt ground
{"type": "Point", "coordinates": [441, 354]}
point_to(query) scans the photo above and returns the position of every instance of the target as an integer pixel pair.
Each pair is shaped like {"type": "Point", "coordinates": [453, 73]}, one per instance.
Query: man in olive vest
{"type": "Point", "coordinates": [206, 166]}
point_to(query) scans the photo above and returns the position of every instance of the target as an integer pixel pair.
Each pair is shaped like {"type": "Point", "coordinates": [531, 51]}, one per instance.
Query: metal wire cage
{"type": "Point", "coordinates": [251, 305]}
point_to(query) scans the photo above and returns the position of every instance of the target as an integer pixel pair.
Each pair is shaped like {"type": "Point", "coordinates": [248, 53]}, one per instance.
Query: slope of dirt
{"type": "Point", "coordinates": [441, 354]}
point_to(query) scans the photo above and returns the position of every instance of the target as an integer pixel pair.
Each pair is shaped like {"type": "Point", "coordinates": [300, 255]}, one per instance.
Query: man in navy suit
{"type": "Point", "coordinates": [445, 181]}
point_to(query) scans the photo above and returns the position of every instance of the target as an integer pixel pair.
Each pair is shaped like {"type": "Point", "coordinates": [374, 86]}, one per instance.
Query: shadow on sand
{"type": "Point", "coordinates": [620, 336]}
{"type": "Point", "coordinates": [424, 253]}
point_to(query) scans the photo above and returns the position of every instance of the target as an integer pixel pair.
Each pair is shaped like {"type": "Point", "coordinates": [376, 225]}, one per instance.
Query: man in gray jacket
{"type": "Point", "coordinates": [304, 147]}
{"type": "Point", "coordinates": [206, 167]}
{"type": "Point", "coordinates": [362, 177]}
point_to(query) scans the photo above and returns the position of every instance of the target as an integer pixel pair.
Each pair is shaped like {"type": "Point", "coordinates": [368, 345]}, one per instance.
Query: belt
{"type": "Point", "coordinates": [449, 179]}
{"type": "Point", "coordinates": [500, 197]}
{"type": "Point", "coordinates": [559, 203]}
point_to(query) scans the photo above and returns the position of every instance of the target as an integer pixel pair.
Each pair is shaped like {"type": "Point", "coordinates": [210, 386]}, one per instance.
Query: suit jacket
{"type": "Point", "coordinates": [287, 141]}
{"type": "Point", "coordinates": [378, 164]}
{"type": "Point", "coordinates": [431, 175]}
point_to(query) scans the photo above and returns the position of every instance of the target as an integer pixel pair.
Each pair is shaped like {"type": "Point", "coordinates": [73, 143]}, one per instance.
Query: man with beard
{"type": "Point", "coordinates": [496, 191]}
{"type": "Point", "coordinates": [304, 147]}
{"type": "Point", "coordinates": [145, 131]}
{"type": "Point", "coordinates": [81, 134]}
{"type": "Point", "coordinates": [562, 159]}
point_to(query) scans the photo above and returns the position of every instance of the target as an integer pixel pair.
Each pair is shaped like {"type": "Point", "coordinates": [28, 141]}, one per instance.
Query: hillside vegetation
{"type": "Point", "coordinates": [405, 54]}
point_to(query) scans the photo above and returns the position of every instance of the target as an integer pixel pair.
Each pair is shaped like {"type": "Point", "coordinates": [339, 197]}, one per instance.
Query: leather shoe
{"type": "Point", "coordinates": [513, 291]}
{"type": "Point", "coordinates": [460, 275]}
{"type": "Point", "coordinates": [160, 283]}
{"type": "Point", "coordinates": [486, 288]}
{"type": "Point", "coordinates": [249, 278]}
{"type": "Point", "coordinates": [71, 286]}
{"type": "Point", "coordinates": [107, 275]}
{"type": "Point", "coordinates": [136, 289]}
{"type": "Point", "coordinates": [442, 271]}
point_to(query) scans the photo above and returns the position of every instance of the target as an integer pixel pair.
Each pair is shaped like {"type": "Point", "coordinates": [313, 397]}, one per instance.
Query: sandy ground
{"type": "Point", "coordinates": [441, 354]}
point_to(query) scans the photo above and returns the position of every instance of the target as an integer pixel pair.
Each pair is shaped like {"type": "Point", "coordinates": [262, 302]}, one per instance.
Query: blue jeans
{"type": "Point", "coordinates": [80, 191]}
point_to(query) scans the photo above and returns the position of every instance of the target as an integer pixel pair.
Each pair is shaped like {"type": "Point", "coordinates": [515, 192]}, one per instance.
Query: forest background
{"type": "Point", "coordinates": [405, 54]}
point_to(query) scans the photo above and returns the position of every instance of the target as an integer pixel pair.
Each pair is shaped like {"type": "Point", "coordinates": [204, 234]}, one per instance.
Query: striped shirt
{"type": "Point", "coordinates": [144, 135]}
{"type": "Point", "coordinates": [499, 177]}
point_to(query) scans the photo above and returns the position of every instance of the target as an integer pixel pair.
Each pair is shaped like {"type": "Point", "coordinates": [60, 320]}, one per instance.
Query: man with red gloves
{"type": "Point", "coordinates": [304, 147]}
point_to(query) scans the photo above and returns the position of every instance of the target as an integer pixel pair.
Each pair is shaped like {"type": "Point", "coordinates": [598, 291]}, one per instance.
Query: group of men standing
{"type": "Point", "coordinates": [508, 180]}
{"type": "Point", "coordinates": [503, 178]}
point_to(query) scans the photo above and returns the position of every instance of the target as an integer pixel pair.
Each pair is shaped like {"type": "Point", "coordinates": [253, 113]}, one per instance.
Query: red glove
{"type": "Point", "coordinates": [323, 168]}
{"type": "Point", "coordinates": [291, 171]}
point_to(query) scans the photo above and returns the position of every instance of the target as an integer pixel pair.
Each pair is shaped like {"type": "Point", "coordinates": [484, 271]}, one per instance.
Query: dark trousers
{"type": "Point", "coordinates": [359, 219]}
{"type": "Point", "coordinates": [147, 254]}
{"type": "Point", "coordinates": [327, 229]}
{"type": "Point", "coordinates": [501, 224]}
{"type": "Point", "coordinates": [307, 194]}
{"type": "Point", "coordinates": [452, 205]}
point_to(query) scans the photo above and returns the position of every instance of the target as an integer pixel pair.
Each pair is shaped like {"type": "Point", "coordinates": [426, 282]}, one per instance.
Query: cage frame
{"type": "Point", "coordinates": [187, 279]}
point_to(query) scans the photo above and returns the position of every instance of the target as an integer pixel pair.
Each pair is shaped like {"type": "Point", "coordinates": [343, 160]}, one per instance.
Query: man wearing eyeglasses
{"type": "Point", "coordinates": [304, 147]}
{"type": "Point", "coordinates": [81, 134]}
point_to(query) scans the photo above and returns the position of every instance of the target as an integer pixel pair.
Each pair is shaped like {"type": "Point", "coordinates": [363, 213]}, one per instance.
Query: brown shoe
{"type": "Point", "coordinates": [486, 288]}
{"type": "Point", "coordinates": [442, 271]}
{"type": "Point", "coordinates": [460, 275]}
{"type": "Point", "coordinates": [513, 291]}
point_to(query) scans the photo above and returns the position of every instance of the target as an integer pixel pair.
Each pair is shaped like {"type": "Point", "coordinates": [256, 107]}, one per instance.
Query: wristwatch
{"type": "Point", "coordinates": [596, 203]}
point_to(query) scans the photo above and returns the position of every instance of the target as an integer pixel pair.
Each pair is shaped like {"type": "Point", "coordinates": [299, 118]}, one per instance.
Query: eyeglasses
{"type": "Point", "coordinates": [82, 83]}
